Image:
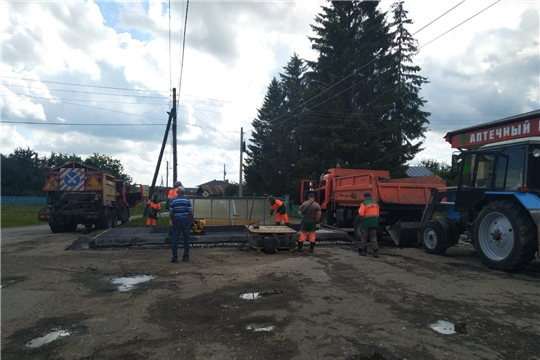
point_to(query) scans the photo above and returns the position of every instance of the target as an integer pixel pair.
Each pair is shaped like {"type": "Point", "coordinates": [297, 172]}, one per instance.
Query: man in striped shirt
{"type": "Point", "coordinates": [181, 214]}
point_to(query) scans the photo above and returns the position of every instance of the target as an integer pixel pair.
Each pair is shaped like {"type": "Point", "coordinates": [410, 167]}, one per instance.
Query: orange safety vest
{"type": "Point", "coordinates": [276, 205]}
{"type": "Point", "coordinates": [172, 193]}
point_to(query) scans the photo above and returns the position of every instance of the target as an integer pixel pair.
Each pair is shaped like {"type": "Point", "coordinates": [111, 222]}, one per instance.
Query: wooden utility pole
{"type": "Point", "coordinates": [175, 152]}
{"type": "Point", "coordinates": [172, 115]}
{"type": "Point", "coordinates": [241, 160]}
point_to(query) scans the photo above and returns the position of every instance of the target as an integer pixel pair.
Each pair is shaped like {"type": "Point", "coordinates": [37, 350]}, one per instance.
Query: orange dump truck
{"type": "Point", "coordinates": [341, 191]}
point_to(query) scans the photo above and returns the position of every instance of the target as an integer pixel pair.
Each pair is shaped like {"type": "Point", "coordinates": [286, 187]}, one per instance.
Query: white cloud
{"type": "Point", "coordinates": [483, 70]}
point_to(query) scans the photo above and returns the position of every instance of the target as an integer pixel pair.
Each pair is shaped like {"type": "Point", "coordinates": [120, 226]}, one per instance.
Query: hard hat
{"type": "Point", "coordinates": [181, 188]}
{"type": "Point", "coordinates": [270, 198]}
{"type": "Point", "coordinates": [177, 183]}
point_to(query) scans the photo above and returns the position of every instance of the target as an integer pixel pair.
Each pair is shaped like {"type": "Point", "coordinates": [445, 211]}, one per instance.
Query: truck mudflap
{"type": "Point", "coordinates": [404, 234]}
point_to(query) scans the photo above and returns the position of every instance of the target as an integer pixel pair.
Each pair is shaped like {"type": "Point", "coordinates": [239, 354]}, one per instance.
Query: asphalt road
{"type": "Point", "coordinates": [230, 304]}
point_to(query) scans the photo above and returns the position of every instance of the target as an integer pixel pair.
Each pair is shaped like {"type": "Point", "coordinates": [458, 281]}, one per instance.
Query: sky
{"type": "Point", "coordinates": [85, 77]}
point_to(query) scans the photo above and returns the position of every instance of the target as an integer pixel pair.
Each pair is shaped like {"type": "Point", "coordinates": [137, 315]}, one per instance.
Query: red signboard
{"type": "Point", "coordinates": [491, 134]}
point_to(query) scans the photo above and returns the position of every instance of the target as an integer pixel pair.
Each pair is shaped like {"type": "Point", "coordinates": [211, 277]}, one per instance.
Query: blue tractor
{"type": "Point", "coordinates": [496, 204]}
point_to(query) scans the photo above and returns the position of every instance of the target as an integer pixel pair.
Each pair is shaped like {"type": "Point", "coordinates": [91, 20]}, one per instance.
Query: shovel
{"type": "Point", "coordinates": [331, 227]}
{"type": "Point", "coordinates": [259, 220]}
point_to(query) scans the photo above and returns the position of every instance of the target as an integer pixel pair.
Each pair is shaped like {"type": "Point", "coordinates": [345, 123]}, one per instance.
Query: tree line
{"type": "Point", "coordinates": [358, 103]}
{"type": "Point", "coordinates": [24, 172]}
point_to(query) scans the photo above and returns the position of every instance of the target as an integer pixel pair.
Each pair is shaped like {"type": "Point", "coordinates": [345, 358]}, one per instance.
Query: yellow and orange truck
{"type": "Point", "coordinates": [80, 194]}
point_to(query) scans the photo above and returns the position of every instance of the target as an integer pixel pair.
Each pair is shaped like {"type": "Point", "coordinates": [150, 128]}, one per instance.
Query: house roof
{"type": "Point", "coordinates": [416, 171]}
{"type": "Point", "coordinates": [212, 190]}
{"type": "Point", "coordinates": [215, 182]}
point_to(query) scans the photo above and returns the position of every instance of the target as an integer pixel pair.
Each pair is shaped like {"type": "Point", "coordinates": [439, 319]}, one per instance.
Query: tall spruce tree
{"type": "Point", "coordinates": [275, 146]}
{"type": "Point", "coordinates": [262, 169]}
{"type": "Point", "coordinates": [343, 126]}
{"type": "Point", "coordinates": [403, 119]}
{"type": "Point", "coordinates": [290, 126]}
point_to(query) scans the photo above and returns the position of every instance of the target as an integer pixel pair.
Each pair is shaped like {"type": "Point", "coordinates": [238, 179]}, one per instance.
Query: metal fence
{"type": "Point", "coordinates": [232, 211]}
{"type": "Point", "coordinates": [23, 200]}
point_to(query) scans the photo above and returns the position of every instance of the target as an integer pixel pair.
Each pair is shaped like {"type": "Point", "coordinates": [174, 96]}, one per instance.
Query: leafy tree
{"type": "Point", "coordinates": [55, 160]}
{"type": "Point", "coordinates": [22, 173]}
{"type": "Point", "coordinates": [109, 165]}
{"type": "Point", "coordinates": [232, 189]}
{"type": "Point", "coordinates": [443, 170]}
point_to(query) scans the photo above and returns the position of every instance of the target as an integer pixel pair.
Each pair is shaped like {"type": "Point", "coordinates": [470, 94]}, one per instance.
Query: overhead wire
{"type": "Point", "coordinates": [461, 23]}
{"type": "Point", "coordinates": [74, 84]}
{"type": "Point", "coordinates": [86, 92]}
{"type": "Point", "coordinates": [271, 122]}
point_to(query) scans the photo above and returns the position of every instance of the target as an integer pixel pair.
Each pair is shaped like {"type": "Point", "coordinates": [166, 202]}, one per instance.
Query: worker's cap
{"type": "Point", "coordinates": [270, 198]}
{"type": "Point", "coordinates": [181, 188]}
{"type": "Point", "coordinates": [367, 193]}
{"type": "Point", "coordinates": [311, 195]}
{"type": "Point", "coordinates": [177, 184]}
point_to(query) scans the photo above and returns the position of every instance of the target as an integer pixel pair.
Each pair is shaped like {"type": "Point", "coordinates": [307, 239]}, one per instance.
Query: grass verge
{"type": "Point", "coordinates": [20, 215]}
{"type": "Point", "coordinates": [27, 215]}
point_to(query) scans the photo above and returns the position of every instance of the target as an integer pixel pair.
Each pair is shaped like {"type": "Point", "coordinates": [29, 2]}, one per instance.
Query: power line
{"type": "Point", "coordinates": [183, 51]}
{"type": "Point", "coordinates": [461, 23]}
{"type": "Point", "coordinates": [437, 18]}
{"type": "Point", "coordinates": [73, 84]}
{"type": "Point", "coordinates": [87, 92]}
{"type": "Point", "coordinates": [270, 122]}
{"type": "Point", "coordinates": [85, 100]}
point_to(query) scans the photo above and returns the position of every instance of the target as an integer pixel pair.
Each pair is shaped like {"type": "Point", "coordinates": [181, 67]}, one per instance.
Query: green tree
{"type": "Point", "coordinates": [23, 173]}
{"type": "Point", "coordinates": [109, 165]}
{"type": "Point", "coordinates": [291, 125]}
{"type": "Point", "coordinates": [349, 38]}
{"type": "Point", "coordinates": [262, 162]}
{"type": "Point", "coordinates": [403, 119]}
{"type": "Point", "coordinates": [443, 170]}
{"type": "Point", "coordinates": [55, 160]}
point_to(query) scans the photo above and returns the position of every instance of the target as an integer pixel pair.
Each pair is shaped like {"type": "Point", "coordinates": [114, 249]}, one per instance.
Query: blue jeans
{"type": "Point", "coordinates": [184, 226]}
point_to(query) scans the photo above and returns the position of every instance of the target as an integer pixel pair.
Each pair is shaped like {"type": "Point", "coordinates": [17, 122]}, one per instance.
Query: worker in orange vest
{"type": "Point", "coordinates": [153, 210]}
{"type": "Point", "coordinates": [280, 208]}
{"type": "Point", "coordinates": [369, 214]}
{"type": "Point", "coordinates": [173, 193]}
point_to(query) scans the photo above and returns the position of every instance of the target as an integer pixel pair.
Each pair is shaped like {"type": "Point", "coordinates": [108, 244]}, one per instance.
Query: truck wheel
{"type": "Point", "coordinates": [504, 236]}
{"type": "Point", "coordinates": [105, 219]}
{"type": "Point", "coordinates": [55, 228]}
{"type": "Point", "coordinates": [432, 237]}
{"type": "Point", "coordinates": [357, 230]}
{"type": "Point", "coordinates": [114, 218]}
{"type": "Point", "coordinates": [71, 226]}
{"type": "Point", "coordinates": [124, 218]}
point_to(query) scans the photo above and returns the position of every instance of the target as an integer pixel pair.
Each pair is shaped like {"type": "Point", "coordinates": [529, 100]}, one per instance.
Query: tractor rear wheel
{"type": "Point", "coordinates": [504, 236]}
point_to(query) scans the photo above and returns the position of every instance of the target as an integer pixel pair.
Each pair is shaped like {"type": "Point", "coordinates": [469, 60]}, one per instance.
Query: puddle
{"type": "Point", "coordinates": [258, 328]}
{"type": "Point", "coordinates": [128, 283]}
{"type": "Point", "coordinates": [444, 327]}
{"type": "Point", "coordinates": [50, 337]}
{"type": "Point", "coordinates": [260, 295]}
{"type": "Point", "coordinates": [6, 283]}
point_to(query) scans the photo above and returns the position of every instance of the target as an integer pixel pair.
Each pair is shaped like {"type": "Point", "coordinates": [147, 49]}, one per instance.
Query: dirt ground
{"type": "Point", "coordinates": [332, 304]}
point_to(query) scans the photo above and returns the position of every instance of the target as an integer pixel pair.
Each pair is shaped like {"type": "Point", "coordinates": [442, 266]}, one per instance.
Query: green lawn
{"type": "Point", "coordinates": [25, 215]}
{"type": "Point", "coordinates": [20, 215]}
